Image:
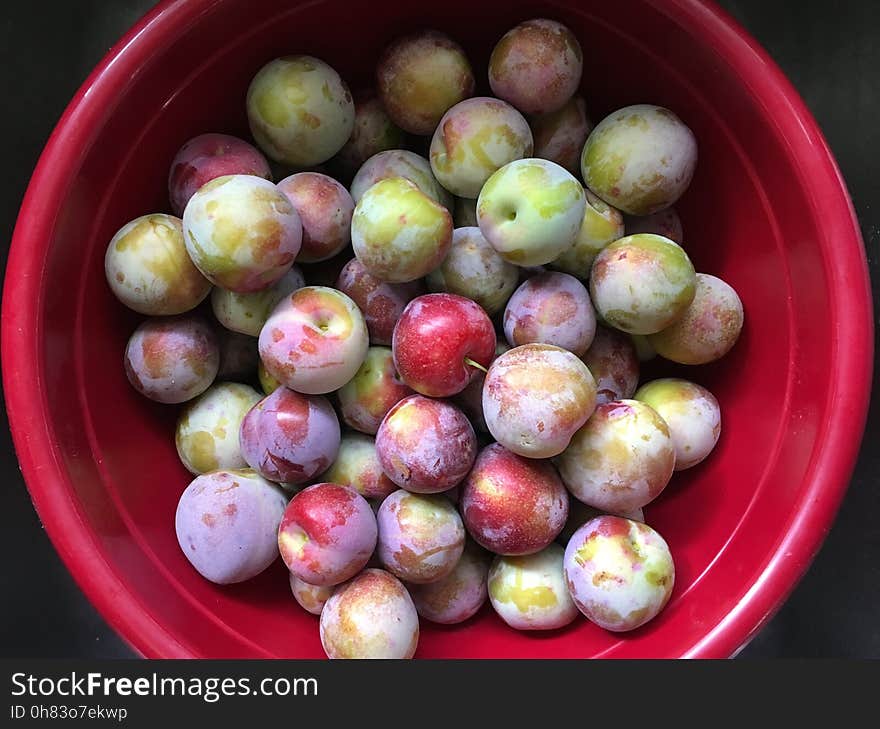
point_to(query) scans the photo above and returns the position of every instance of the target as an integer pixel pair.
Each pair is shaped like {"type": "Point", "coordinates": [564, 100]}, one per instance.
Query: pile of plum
{"type": "Point", "coordinates": [475, 319]}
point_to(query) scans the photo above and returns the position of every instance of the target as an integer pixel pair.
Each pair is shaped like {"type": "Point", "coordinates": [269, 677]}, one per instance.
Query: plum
{"type": "Point", "coordinates": [400, 163]}
{"type": "Point", "coordinates": [642, 283]}
{"type": "Point", "coordinates": [665, 222]}
{"type": "Point", "coordinates": [536, 66]}
{"type": "Point", "coordinates": [551, 308]}
{"type": "Point", "coordinates": [327, 534]}
{"type": "Point", "coordinates": [421, 536]}
{"type": "Point", "coordinates": [398, 233]}
{"type": "Point", "coordinates": [513, 505]}
{"type": "Point", "coordinates": [425, 445]}
{"type": "Point", "coordinates": [640, 159]}
{"type": "Point", "coordinates": [602, 224]}
{"type": "Point", "coordinates": [357, 466]}
{"type": "Point", "coordinates": [692, 414]}
{"type": "Point", "coordinates": [207, 430]}
{"type": "Point", "coordinates": [246, 313]}
{"type": "Point", "coordinates": [368, 396]}
{"type": "Point", "coordinates": [325, 208]}
{"type": "Point", "coordinates": [149, 270]}
{"type": "Point", "coordinates": [475, 138]}
{"type": "Point", "coordinates": [708, 328]}
{"type": "Point", "coordinates": [289, 437]}
{"type": "Point", "coordinates": [420, 76]}
{"type": "Point", "coordinates": [380, 302]}
{"type": "Point", "coordinates": [470, 400]}
{"type": "Point", "coordinates": [373, 132]}
{"type": "Point", "coordinates": [300, 111]}
{"type": "Point", "coordinates": [619, 572]}
{"type": "Point", "coordinates": [206, 157]}
{"type": "Point", "coordinates": [536, 397]}
{"type": "Point", "coordinates": [227, 524]}
{"type": "Point", "coordinates": [580, 513]}
{"type": "Point", "coordinates": [241, 232]}
{"type": "Point", "coordinates": [621, 459]}
{"type": "Point", "coordinates": [314, 341]}
{"type": "Point", "coordinates": [614, 365]}
{"type": "Point", "coordinates": [475, 270]}
{"type": "Point", "coordinates": [172, 359]}
{"type": "Point", "coordinates": [458, 596]}
{"type": "Point", "coordinates": [560, 135]}
{"type": "Point", "coordinates": [530, 211]}
{"type": "Point", "coordinates": [371, 616]}
{"type": "Point", "coordinates": [529, 592]}
{"type": "Point", "coordinates": [441, 343]}
{"type": "Point", "coordinates": [311, 598]}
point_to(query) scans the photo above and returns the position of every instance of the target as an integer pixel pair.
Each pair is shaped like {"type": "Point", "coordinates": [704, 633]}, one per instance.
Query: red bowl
{"type": "Point", "coordinates": [767, 211]}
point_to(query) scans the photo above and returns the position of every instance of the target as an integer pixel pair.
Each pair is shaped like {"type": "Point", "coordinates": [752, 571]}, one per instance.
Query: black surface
{"type": "Point", "coordinates": [831, 52]}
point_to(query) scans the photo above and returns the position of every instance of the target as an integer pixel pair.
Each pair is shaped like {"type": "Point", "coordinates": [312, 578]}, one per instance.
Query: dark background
{"type": "Point", "coordinates": [831, 52]}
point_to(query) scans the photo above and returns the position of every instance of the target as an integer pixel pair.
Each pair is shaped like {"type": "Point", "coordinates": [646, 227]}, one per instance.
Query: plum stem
{"type": "Point", "coordinates": [469, 361]}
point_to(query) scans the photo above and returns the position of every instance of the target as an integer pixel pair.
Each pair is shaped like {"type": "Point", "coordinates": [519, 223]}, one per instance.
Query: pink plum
{"type": "Point", "coordinates": [621, 459]}
{"type": "Point", "coordinates": [529, 592]}
{"type": "Point", "coordinates": [381, 303]}
{"type": "Point", "coordinates": [458, 596]}
{"type": "Point", "coordinates": [536, 66]}
{"type": "Point", "coordinates": [327, 534]}
{"type": "Point", "coordinates": [241, 232]}
{"type": "Point", "coordinates": [226, 524]}
{"type": "Point", "coordinates": [619, 572]}
{"type": "Point", "coordinates": [420, 76]}
{"type": "Point", "coordinates": [513, 505]}
{"type": "Point", "coordinates": [368, 396]}
{"type": "Point", "coordinates": [551, 308]}
{"type": "Point", "coordinates": [372, 616]}
{"type": "Point", "coordinates": [421, 536]}
{"type": "Point", "coordinates": [172, 359]}
{"type": "Point", "coordinates": [426, 446]}
{"type": "Point", "coordinates": [325, 209]}
{"type": "Point", "coordinates": [315, 340]}
{"type": "Point", "coordinates": [357, 466]}
{"type": "Point", "coordinates": [614, 365]}
{"type": "Point", "coordinates": [707, 329]}
{"type": "Point", "coordinates": [441, 342]}
{"type": "Point", "coordinates": [207, 157]}
{"type": "Point", "coordinates": [289, 437]}
{"type": "Point", "coordinates": [536, 397]}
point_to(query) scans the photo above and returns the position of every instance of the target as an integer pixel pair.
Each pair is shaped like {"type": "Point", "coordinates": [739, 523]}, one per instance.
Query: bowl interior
{"type": "Point", "coordinates": [748, 218]}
